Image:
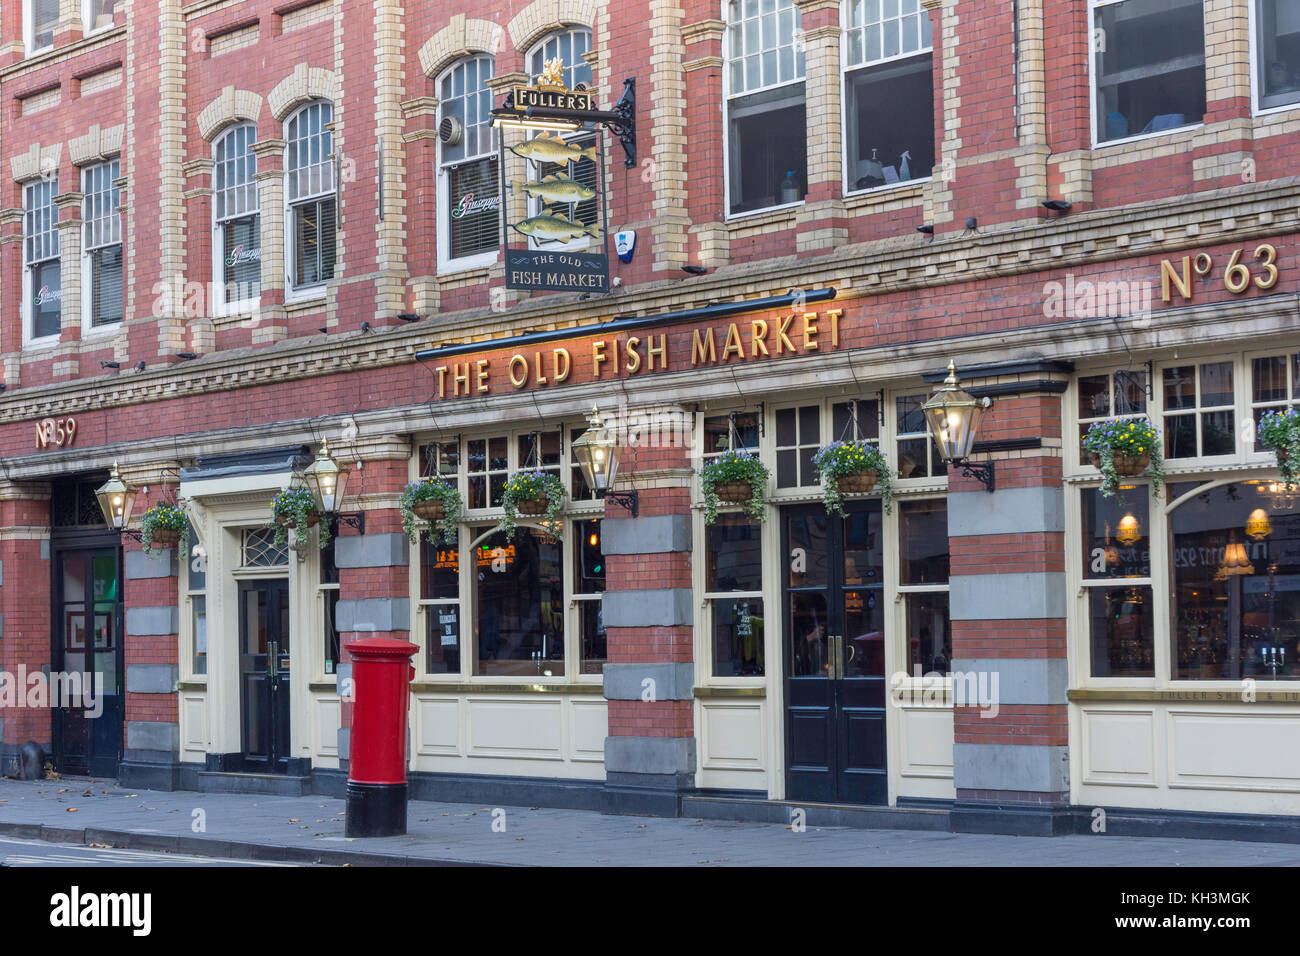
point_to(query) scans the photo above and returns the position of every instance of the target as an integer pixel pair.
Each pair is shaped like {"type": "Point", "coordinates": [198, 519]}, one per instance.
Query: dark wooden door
{"type": "Point", "coordinates": [264, 673]}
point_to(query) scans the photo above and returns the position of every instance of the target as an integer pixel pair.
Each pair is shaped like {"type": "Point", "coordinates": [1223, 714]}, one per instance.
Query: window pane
{"type": "Point", "coordinates": [442, 639]}
{"type": "Point", "coordinates": [1094, 396]}
{"type": "Point", "coordinates": [1216, 384]}
{"type": "Point", "coordinates": [809, 627]}
{"type": "Point", "coordinates": [1130, 393]}
{"type": "Point", "coordinates": [1116, 534]}
{"type": "Point", "coordinates": [1268, 379]}
{"type": "Point", "coordinates": [45, 16]}
{"type": "Point", "coordinates": [767, 149]}
{"type": "Point", "coordinates": [808, 557]}
{"type": "Point", "coordinates": [735, 558]}
{"type": "Point", "coordinates": [242, 258]}
{"type": "Point", "coordinates": [923, 542]}
{"type": "Point", "coordinates": [1121, 632]}
{"type": "Point", "coordinates": [1180, 387]}
{"type": "Point", "coordinates": [1150, 71]}
{"type": "Point", "coordinates": [330, 598]}
{"type": "Point", "coordinates": [929, 633]}
{"type": "Point", "coordinates": [519, 608]}
{"type": "Point", "coordinates": [199, 630]}
{"type": "Point", "coordinates": [1217, 436]}
{"type": "Point", "coordinates": [590, 572]}
{"type": "Point", "coordinates": [440, 571]}
{"type": "Point", "coordinates": [864, 556]}
{"type": "Point", "coordinates": [592, 626]}
{"type": "Point", "coordinates": [864, 633]}
{"type": "Point", "coordinates": [1277, 26]}
{"type": "Point", "coordinates": [475, 213]}
{"type": "Point", "coordinates": [1180, 436]}
{"type": "Point", "coordinates": [47, 298]}
{"type": "Point", "coordinates": [737, 637]}
{"type": "Point", "coordinates": [890, 113]}
{"type": "Point", "coordinates": [106, 285]}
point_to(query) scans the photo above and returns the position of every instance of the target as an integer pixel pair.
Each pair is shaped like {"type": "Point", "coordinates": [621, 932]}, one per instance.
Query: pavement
{"type": "Point", "coordinates": [238, 827]}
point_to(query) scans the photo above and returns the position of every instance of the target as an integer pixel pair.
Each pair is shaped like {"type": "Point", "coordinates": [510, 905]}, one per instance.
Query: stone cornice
{"type": "Point", "coordinates": [888, 266]}
{"type": "Point", "coordinates": [703, 30]}
{"type": "Point", "coordinates": [703, 63]}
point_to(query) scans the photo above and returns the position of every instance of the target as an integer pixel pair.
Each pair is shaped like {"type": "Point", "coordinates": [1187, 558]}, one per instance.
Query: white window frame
{"type": "Point", "coordinates": [570, 72]}
{"type": "Point", "coordinates": [29, 30]}
{"type": "Point", "coordinates": [1257, 67]}
{"type": "Point", "coordinates": [112, 220]}
{"type": "Point", "coordinates": [728, 95]}
{"type": "Point", "coordinates": [1093, 7]}
{"type": "Point", "coordinates": [30, 339]}
{"type": "Point", "coordinates": [845, 72]}
{"type": "Point", "coordinates": [481, 260]}
{"type": "Point", "coordinates": [190, 593]}
{"type": "Point", "coordinates": [220, 307]}
{"type": "Point", "coordinates": [477, 524]}
{"type": "Point", "coordinates": [87, 27]}
{"type": "Point", "coordinates": [315, 290]}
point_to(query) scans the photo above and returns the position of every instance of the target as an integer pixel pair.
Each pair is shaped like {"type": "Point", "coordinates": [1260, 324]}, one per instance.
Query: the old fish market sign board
{"type": "Point", "coordinates": [560, 178]}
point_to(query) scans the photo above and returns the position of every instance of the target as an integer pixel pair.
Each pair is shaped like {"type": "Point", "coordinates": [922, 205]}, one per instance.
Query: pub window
{"type": "Point", "coordinates": [1275, 385]}
{"type": "Point", "coordinates": [765, 119]}
{"type": "Point", "coordinates": [196, 583]}
{"type": "Point", "coordinates": [236, 220]}
{"type": "Point", "coordinates": [889, 93]}
{"type": "Point", "coordinates": [40, 17]}
{"type": "Point", "coordinates": [1117, 583]}
{"type": "Point", "coordinates": [739, 430]}
{"type": "Point", "coordinates": [1199, 410]}
{"type": "Point", "coordinates": [1121, 394]}
{"type": "Point", "coordinates": [440, 601]}
{"type": "Point", "coordinates": [519, 606]}
{"type": "Point", "coordinates": [857, 420]}
{"type": "Point", "coordinates": [588, 589]}
{"type": "Point", "coordinates": [42, 292]}
{"type": "Point", "coordinates": [917, 456]}
{"type": "Point", "coordinates": [309, 170]}
{"type": "Point", "coordinates": [470, 229]}
{"type": "Point", "coordinates": [1148, 66]}
{"type": "Point", "coordinates": [1277, 53]}
{"type": "Point", "coordinates": [102, 248]}
{"type": "Point", "coordinates": [798, 436]}
{"type": "Point", "coordinates": [328, 590]}
{"type": "Point", "coordinates": [569, 48]}
{"type": "Point", "coordinates": [923, 585]}
{"type": "Point", "coordinates": [97, 14]}
{"type": "Point", "coordinates": [1235, 564]}
{"type": "Point", "coordinates": [487, 463]}
{"type": "Point", "coordinates": [733, 591]}
{"type": "Point", "coordinates": [541, 451]}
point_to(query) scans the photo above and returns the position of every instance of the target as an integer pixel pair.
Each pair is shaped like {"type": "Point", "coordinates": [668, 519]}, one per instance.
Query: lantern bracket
{"type": "Point", "coordinates": [981, 471]}
{"type": "Point", "coordinates": [353, 519]}
{"type": "Point", "coordinates": [630, 500]}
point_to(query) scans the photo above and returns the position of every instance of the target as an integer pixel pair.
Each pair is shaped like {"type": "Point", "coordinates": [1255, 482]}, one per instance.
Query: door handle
{"type": "Point", "coordinates": [837, 656]}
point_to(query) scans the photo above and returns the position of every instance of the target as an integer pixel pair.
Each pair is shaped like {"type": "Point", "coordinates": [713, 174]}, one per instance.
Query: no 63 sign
{"type": "Point", "coordinates": [58, 432]}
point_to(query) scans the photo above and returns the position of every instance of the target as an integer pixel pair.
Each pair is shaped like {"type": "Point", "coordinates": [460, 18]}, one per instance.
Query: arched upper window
{"type": "Point", "coordinates": [309, 192]}
{"type": "Point", "coordinates": [767, 157]}
{"type": "Point", "coordinates": [568, 48]}
{"type": "Point", "coordinates": [236, 218]}
{"type": "Point", "coordinates": [470, 205]}
{"type": "Point", "coordinates": [888, 93]}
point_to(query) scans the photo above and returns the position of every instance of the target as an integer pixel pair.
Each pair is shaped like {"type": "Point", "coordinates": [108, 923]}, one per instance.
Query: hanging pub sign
{"type": "Point", "coordinates": [553, 184]}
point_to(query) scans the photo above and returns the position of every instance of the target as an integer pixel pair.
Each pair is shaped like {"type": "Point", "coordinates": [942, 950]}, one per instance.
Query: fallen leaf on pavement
{"type": "Point", "coordinates": [71, 810]}
{"type": "Point", "coordinates": [293, 819]}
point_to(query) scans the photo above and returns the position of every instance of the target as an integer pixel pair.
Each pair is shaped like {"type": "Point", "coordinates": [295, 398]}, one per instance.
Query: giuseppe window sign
{"type": "Point", "coordinates": [792, 333]}
{"type": "Point", "coordinates": [239, 254]}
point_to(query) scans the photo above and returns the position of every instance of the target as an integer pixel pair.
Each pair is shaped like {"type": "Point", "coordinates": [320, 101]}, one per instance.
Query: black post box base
{"type": "Point", "coordinates": [376, 809]}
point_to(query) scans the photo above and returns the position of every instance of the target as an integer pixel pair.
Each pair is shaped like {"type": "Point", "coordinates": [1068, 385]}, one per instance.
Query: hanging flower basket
{"type": "Point", "coordinates": [1280, 431]}
{"type": "Point", "coordinates": [430, 510]}
{"type": "Point", "coordinates": [296, 508]}
{"type": "Point", "coordinates": [734, 477]}
{"type": "Point", "coordinates": [166, 538]}
{"type": "Point", "coordinates": [852, 468]}
{"type": "Point", "coordinates": [430, 506]}
{"type": "Point", "coordinates": [165, 526]}
{"type": "Point", "coordinates": [289, 521]}
{"type": "Point", "coordinates": [1125, 448]}
{"type": "Point", "coordinates": [533, 493]}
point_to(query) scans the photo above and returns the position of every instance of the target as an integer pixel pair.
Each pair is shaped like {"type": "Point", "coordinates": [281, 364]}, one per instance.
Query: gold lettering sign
{"type": "Point", "coordinates": [59, 432]}
{"type": "Point", "coordinates": [552, 99]}
{"type": "Point", "coordinates": [1235, 275]}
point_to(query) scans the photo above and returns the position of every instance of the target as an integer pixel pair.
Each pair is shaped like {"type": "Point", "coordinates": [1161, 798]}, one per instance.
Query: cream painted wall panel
{"type": "Point", "coordinates": [926, 742]}
{"type": "Point", "coordinates": [327, 720]}
{"type": "Point", "coordinates": [194, 713]}
{"type": "Point", "coordinates": [1235, 751]}
{"type": "Point", "coordinates": [437, 726]}
{"type": "Point", "coordinates": [731, 736]}
{"type": "Point", "coordinates": [588, 725]}
{"type": "Point", "coordinates": [501, 727]}
{"type": "Point", "coordinates": [1119, 747]}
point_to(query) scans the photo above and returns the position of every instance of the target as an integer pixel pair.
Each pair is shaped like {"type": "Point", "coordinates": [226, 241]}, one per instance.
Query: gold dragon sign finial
{"type": "Point", "coordinates": [553, 74]}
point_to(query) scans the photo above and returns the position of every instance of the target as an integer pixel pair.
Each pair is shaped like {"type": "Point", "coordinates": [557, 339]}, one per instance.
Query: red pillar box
{"type": "Point", "coordinates": [381, 674]}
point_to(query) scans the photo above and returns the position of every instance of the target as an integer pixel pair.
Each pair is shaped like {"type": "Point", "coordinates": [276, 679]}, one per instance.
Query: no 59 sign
{"type": "Point", "coordinates": [59, 432]}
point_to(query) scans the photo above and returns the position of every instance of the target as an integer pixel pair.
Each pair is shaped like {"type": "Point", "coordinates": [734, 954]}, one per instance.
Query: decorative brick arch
{"type": "Point", "coordinates": [542, 17]}
{"type": "Point", "coordinates": [461, 37]}
{"type": "Point", "coordinates": [230, 106]}
{"type": "Point", "coordinates": [301, 86]}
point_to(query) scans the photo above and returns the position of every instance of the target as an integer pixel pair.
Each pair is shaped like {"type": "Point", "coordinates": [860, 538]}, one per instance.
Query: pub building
{"type": "Point", "coordinates": [995, 646]}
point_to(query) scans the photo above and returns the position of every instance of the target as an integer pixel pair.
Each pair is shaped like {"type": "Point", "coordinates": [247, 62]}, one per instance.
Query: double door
{"type": "Point", "coordinates": [834, 650]}
{"type": "Point", "coordinates": [264, 664]}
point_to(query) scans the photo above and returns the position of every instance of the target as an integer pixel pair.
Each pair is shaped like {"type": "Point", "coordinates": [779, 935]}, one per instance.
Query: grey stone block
{"type": "Point", "coordinates": [1010, 767]}
{"type": "Point", "coordinates": [664, 607]}
{"type": "Point", "coordinates": [345, 740]}
{"type": "Point", "coordinates": [654, 534]}
{"type": "Point", "coordinates": [1022, 680]}
{"type": "Point", "coordinates": [45, 549]}
{"type": "Point", "coordinates": [671, 681]}
{"type": "Point", "coordinates": [374, 614]}
{"type": "Point", "coordinates": [153, 735]}
{"type": "Point", "coordinates": [139, 566]}
{"type": "Point", "coordinates": [372, 551]}
{"type": "Point", "coordinates": [151, 678]}
{"type": "Point", "coordinates": [1007, 597]}
{"type": "Point", "coordinates": [653, 755]}
{"type": "Point", "coordinates": [1010, 511]}
{"type": "Point", "coordinates": [143, 621]}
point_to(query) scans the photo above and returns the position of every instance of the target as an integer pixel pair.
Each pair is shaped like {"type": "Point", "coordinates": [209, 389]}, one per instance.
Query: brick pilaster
{"type": "Point", "coordinates": [24, 607]}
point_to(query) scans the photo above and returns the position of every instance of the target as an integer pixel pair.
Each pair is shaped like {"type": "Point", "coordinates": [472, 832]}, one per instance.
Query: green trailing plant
{"type": "Point", "coordinates": [430, 489]}
{"type": "Point", "coordinates": [728, 468]}
{"type": "Point", "coordinates": [165, 517]}
{"type": "Point", "coordinates": [296, 507]}
{"type": "Point", "coordinates": [533, 486]}
{"type": "Point", "coordinates": [842, 459]}
{"type": "Point", "coordinates": [1127, 437]}
{"type": "Point", "coordinates": [1280, 431]}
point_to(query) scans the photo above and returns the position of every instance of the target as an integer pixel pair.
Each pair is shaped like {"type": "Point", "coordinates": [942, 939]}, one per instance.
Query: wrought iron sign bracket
{"type": "Point", "coordinates": [353, 519]}
{"type": "Point", "coordinates": [630, 500]}
{"type": "Point", "coordinates": [625, 126]}
{"type": "Point", "coordinates": [133, 534]}
{"type": "Point", "coordinates": [981, 471]}
{"type": "Point", "coordinates": [621, 120]}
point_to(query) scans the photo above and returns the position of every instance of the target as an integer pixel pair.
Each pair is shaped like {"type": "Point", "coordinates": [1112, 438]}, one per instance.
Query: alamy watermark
{"type": "Point", "coordinates": [1085, 299]}
{"type": "Point", "coordinates": [977, 689]}
{"type": "Point", "coordinates": [73, 690]}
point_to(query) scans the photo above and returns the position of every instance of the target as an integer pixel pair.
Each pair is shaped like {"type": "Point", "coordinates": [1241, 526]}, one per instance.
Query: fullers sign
{"type": "Point", "coordinates": [552, 190]}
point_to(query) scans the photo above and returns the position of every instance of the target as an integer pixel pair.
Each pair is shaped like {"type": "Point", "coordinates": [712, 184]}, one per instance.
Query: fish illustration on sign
{"type": "Point", "coordinates": [556, 189]}
{"type": "Point", "coordinates": [552, 149]}
{"type": "Point", "coordinates": [555, 228]}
